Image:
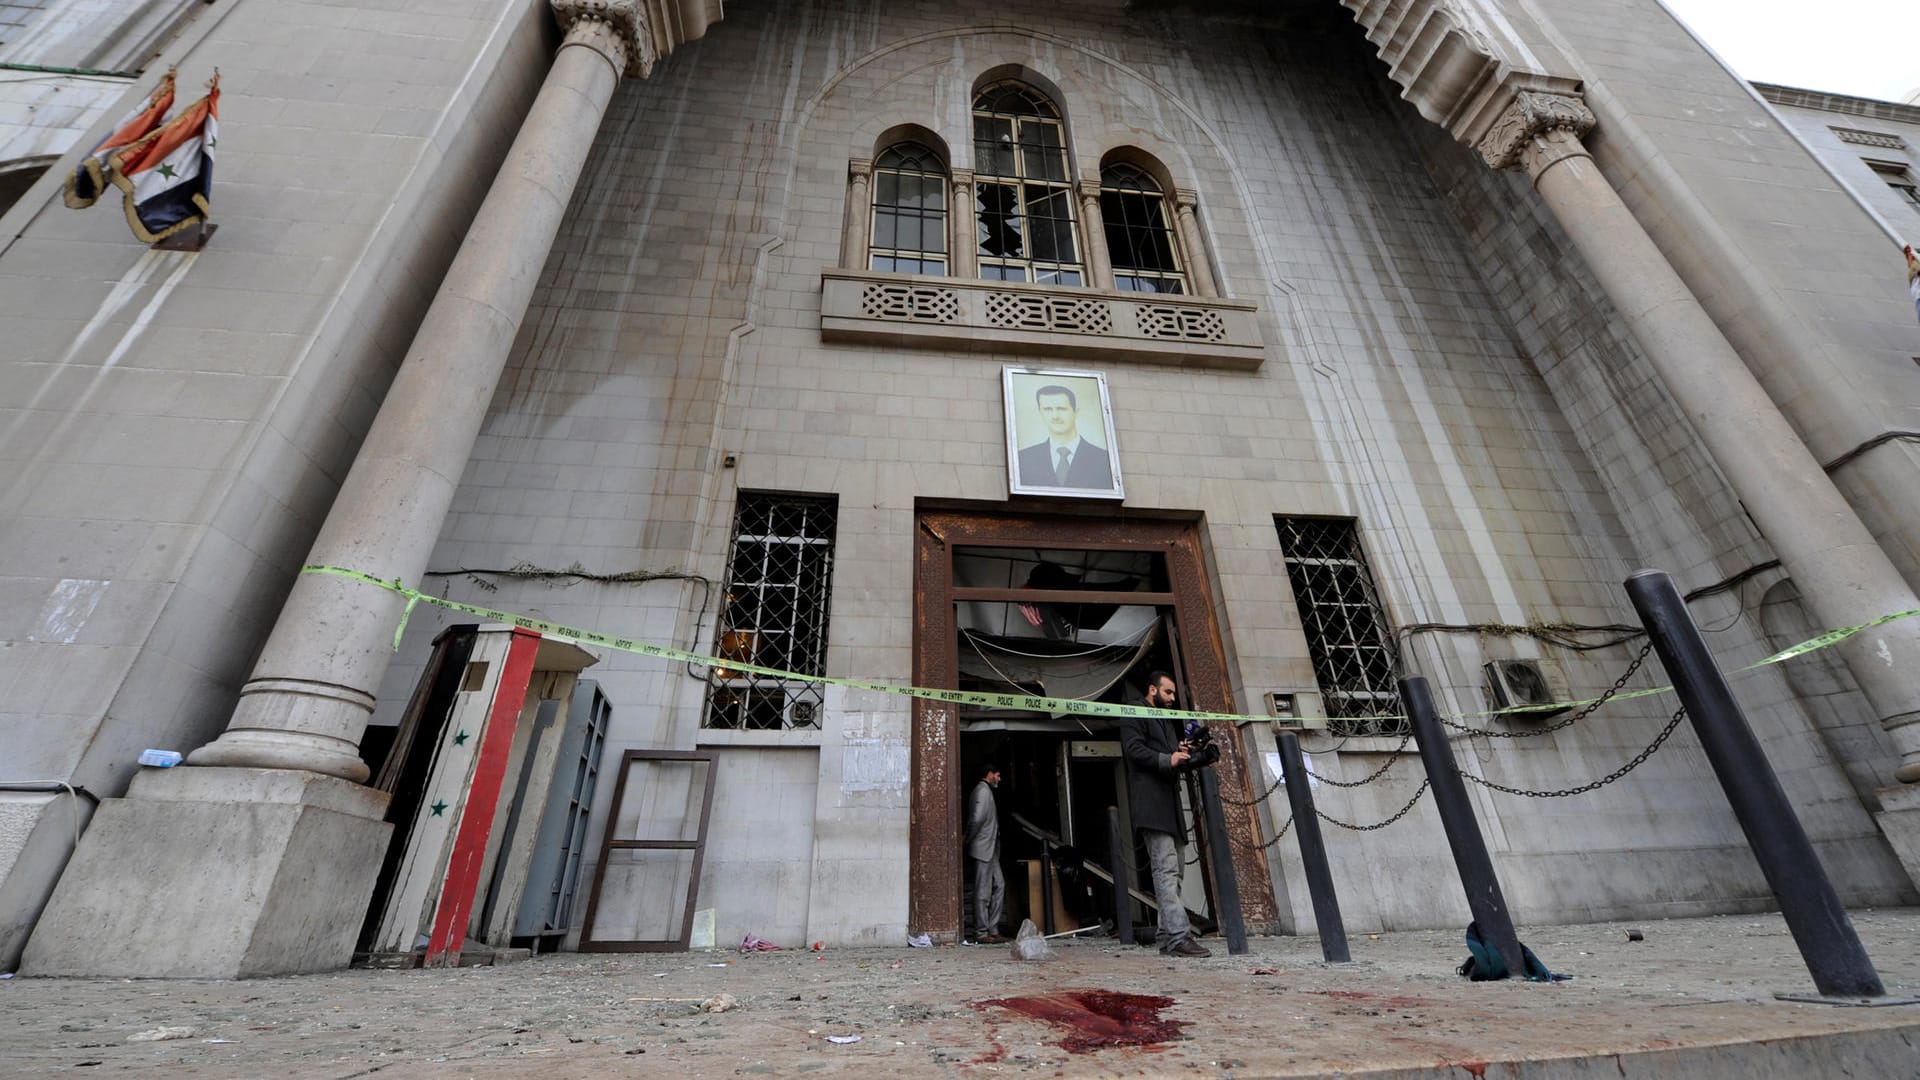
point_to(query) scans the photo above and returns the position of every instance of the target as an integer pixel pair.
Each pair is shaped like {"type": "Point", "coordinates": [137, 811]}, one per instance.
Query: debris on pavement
{"type": "Point", "coordinates": [718, 1003]}
{"type": "Point", "coordinates": [843, 1039]}
{"type": "Point", "coordinates": [163, 1034]}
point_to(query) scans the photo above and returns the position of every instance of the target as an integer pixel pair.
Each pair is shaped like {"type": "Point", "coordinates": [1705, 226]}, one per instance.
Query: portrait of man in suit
{"type": "Point", "coordinates": [1060, 429]}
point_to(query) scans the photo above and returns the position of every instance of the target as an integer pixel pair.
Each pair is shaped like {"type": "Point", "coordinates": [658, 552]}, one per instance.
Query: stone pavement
{"type": "Point", "coordinates": [1694, 999]}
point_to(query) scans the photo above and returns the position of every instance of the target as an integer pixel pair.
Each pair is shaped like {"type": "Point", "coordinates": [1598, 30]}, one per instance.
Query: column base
{"type": "Point", "coordinates": [216, 874]}
{"type": "Point", "coordinates": [1899, 821]}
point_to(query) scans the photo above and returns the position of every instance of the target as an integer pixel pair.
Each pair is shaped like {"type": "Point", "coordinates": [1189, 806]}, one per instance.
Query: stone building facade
{"type": "Point", "coordinates": [567, 309]}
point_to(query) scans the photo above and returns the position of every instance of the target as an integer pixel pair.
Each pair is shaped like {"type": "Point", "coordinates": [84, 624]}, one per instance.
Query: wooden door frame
{"type": "Point", "coordinates": [934, 874]}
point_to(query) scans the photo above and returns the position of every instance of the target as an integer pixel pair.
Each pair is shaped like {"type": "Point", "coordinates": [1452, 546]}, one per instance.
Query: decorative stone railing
{"type": "Point", "coordinates": [916, 311]}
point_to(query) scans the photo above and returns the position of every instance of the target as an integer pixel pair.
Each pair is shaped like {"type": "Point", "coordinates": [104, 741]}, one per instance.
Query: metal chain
{"type": "Point", "coordinates": [1377, 773]}
{"type": "Point", "coordinates": [1257, 799]}
{"type": "Point", "coordinates": [1402, 812]}
{"type": "Point", "coordinates": [1581, 714]}
{"type": "Point", "coordinates": [1678, 715]}
{"type": "Point", "coordinates": [1278, 835]}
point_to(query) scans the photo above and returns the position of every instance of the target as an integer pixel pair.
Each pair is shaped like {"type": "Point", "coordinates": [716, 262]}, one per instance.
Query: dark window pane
{"type": "Point", "coordinates": [885, 229]}
{"type": "Point", "coordinates": [886, 189]}
{"type": "Point", "coordinates": [934, 236]}
{"type": "Point", "coordinates": [1000, 228]}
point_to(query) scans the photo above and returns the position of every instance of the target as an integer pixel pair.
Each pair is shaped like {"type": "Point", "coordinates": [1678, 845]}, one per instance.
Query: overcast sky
{"type": "Point", "coordinates": [1867, 48]}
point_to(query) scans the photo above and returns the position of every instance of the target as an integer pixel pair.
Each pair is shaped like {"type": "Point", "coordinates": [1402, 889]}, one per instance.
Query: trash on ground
{"type": "Point", "coordinates": [718, 1003]}
{"type": "Point", "coordinates": [162, 1034]}
{"type": "Point", "coordinates": [716, 965]}
{"type": "Point", "coordinates": [1266, 971]}
{"type": "Point", "coordinates": [1635, 935]}
{"type": "Point", "coordinates": [843, 1039]}
{"type": "Point", "coordinates": [756, 943]}
{"type": "Point", "coordinates": [1029, 944]}
{"type": "Point", "coordinates": [917, 941]}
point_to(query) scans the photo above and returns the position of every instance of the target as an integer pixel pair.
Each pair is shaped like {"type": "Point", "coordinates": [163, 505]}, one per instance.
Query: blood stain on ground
{"type": "Point", "coordinates": [1097, 1019]}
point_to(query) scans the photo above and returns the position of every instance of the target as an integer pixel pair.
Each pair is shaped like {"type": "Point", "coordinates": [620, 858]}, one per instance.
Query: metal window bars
{"type": "Point", "coordinates": [1354, 657]}
{"type": "Point", "coordinates": [774, 614]}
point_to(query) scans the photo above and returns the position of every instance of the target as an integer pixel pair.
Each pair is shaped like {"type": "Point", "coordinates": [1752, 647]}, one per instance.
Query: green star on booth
{"type": "Point", "coordinates": [460, 739]}
{"type": "Point", "coordinates": [439, 807]}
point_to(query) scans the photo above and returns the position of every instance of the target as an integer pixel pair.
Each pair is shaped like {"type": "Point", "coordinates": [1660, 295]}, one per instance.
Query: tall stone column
{"type": "Point", "coordinates": [963, 242]}
{"type": "Point", "coordinates": [264, 864]}
{"type": "Point", "coordinates": [1093, 236]}
{"type": "Point", "coordinates": [312, 690]}
{"type": "Point", "coordinates": [854, 239]}
{"type": "Point", "coordinates": [1844, 576]}
{"type": "Point", "coordinates": [1192, 251]}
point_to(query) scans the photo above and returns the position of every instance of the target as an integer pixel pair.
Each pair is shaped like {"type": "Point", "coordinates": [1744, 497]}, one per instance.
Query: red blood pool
{"type": "Point", "coordinates": [1095, 1019]}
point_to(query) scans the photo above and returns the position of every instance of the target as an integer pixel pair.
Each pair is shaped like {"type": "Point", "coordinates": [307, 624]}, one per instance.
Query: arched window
{"type": "Point", "coordinates": [1141, 246]}
{"type": "Point", "coordinates": [1024, 188]}
{"type": "Point", "coordinates": [909, 211]}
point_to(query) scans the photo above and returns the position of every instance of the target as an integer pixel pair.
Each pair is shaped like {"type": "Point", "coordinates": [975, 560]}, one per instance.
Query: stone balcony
{"type": "Point", "coordinates": [915, 311]}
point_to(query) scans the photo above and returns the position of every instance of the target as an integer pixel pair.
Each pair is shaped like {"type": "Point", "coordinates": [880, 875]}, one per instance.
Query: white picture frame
{"type": "Point", "coordinates": [1077, 400]}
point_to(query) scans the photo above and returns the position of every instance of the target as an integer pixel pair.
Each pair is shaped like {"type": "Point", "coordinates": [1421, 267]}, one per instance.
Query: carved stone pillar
{"type": "Point", "coordinates": [1193, 251]}
{"type": "Point", "coordinates": [855, 238]}
{"type": "Point", "coordinates": [1093, 236]}
{"type": "Point", "coordinates": [963, 244]}
{"type": "Point", "coordinates": [1843, 574]}
{"type": "Point", "coordinates": [312, 690]}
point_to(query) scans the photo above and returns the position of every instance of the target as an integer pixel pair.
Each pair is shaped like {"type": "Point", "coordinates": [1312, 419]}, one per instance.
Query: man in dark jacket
{"type": "Point", "coordinates": [1156, 755]}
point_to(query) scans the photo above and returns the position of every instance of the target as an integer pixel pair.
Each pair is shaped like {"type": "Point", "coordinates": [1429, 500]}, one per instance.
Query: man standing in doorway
{"type": "Point", "coordinates": [983, 851]}
{"type": "Point", "coordinates": [1156, 754]}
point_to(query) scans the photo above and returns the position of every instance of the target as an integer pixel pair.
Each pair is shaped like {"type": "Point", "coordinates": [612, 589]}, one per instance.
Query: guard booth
{"type": "Point", "coordinates": [492, 772]}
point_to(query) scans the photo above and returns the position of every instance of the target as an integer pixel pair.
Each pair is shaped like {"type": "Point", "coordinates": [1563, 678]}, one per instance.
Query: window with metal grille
{"type": "Point", "coordinates": [774, 614]}
{"type": "Point", "coordinates": [1024, 188]}
{"type": "Point", "coordinates": [909, 211]}
{"type": "Point", "coordinates": [1135, 215]}
{"type": "Point", "coordinates": [1354, 657]}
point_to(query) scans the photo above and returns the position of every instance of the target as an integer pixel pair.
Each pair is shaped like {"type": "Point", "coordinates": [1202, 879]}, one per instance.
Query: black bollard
{"type": "Point", "coordinates": [1122, 859]}
{"type": "Point", "coordinates": [1313, 853]}
{"type": "Point", "coordinates": [1484, 899]}
{"type": "Point", "coordinates": [1226, 888]}
{"type": "Point", "coordinates": [1828, 944]}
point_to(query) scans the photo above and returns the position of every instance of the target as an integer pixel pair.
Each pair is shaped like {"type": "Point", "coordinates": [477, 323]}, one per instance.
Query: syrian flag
{"type": "Point", "coordinates": [167, 175]}
{"type": "Point", "coordinates": [89, 179]}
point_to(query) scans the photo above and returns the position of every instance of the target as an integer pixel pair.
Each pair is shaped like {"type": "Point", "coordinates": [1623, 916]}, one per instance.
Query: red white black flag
{"type": "Point", "coordinates": [89, 179]}
{"type": "Point", "coordinates": [168, 175]}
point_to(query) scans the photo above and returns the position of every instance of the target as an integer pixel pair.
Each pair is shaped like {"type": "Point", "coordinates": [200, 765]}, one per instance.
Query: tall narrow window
{"type": "Point", "coordinates": [1352, 648]}
{"type": "Point", "coordinates": [1134, 211]}
{"type": "Point", "coordinates": [1025, 190]}
{"type": "Point", "coordinates": [909, 211]}
{"type": "Point", "coordinates": [773, 614]}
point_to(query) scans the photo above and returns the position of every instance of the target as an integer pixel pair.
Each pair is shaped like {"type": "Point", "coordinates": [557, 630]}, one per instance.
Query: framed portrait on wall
{"type": "Point", "coordinates": [1060, 434]}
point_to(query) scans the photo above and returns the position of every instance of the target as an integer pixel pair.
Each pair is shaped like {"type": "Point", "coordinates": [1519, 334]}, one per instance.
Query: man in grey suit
{"type": "Point", "coordinates": [983, 851]}
{"type": "Point", "coordinates": [1066, 459]}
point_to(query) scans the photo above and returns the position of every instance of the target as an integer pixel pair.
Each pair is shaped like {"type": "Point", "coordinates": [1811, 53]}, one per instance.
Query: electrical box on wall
{"type": "Point", "coordinates": [1288, 709]}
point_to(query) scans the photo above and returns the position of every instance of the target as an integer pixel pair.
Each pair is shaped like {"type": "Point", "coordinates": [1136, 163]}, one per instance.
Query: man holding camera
{"type": "Point", "coordinates": [1158, 751]}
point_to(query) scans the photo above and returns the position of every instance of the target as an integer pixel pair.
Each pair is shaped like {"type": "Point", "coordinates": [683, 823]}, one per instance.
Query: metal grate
{"type": "Point", "coordinates": [1354, 658]}
{"type": "Point", "coordinates": [779, 574]}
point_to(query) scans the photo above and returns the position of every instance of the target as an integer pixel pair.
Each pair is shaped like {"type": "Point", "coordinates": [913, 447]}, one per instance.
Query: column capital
{"type": "Point", "coordinates": [620, 30]}
{"type": "Point", "coordinates": [859, 168]}
{"type": "Point", "coordinates": [1185, 200]}
{"type": "Point", "coordinates": [1530, 115]}
{"type": "Point", "coordinates": [963, 178]}
{"type": "Point", "coordinates": [1088, 189]}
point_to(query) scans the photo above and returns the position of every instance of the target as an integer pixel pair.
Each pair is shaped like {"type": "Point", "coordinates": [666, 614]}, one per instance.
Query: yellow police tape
{"type": "Point", "coordinates": [1072, 706]}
